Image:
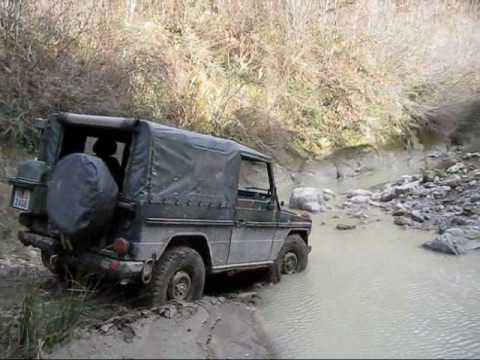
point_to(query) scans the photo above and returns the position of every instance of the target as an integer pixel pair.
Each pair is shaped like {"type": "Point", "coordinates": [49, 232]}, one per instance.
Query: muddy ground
{"type": "Point", "coordinates": [116, 323]}
{"type": "Point", "coordinates": [214, 327]}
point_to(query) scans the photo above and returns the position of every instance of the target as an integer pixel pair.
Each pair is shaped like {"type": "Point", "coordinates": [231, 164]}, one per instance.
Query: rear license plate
{"type": "Point", "coordinates": [21, 199]}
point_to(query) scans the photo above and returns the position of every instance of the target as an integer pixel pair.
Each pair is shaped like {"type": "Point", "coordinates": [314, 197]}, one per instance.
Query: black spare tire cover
{"type": "Point", "coordinates": [81, 196]}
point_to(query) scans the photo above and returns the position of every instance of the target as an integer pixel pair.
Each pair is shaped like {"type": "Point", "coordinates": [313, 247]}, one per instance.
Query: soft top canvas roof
{"type": "Point", "coordinates": [163, 131]}
{"type": "Point", "coordinates": [205, 142]}
{"type": "Point", "coordinates": [167, 164]}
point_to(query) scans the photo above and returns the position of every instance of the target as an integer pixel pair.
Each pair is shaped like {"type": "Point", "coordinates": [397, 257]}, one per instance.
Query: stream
{"type": "Point", "coordinates": [373, 291]}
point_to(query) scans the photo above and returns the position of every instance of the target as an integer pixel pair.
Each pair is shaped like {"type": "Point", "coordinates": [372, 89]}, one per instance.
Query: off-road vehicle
{"type": "Point", "coordinates": [156, 206]}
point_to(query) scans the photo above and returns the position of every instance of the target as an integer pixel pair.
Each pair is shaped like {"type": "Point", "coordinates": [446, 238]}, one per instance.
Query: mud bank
{"type": "Point", "coordinates": [115, 323]}
{"type": "Point", "coordinates": [214, 327]}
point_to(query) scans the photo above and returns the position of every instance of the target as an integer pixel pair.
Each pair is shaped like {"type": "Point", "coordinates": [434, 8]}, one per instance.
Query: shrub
{"type": "Point", "coordinates": [317, 74]}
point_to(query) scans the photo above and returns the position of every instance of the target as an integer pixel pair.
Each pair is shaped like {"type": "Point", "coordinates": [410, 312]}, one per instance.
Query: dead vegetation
{"type": "Point", "coordinates": [312, 75]}
{"type": "Point", "coordinates": [40, 322]}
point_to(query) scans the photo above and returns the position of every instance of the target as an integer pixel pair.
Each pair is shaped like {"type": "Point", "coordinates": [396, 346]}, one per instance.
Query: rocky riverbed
{"type": "Point", "coordinates": [444, 197]}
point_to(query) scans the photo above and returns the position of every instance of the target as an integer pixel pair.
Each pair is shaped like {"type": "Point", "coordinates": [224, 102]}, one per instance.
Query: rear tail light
{"type": "Point", "coordinates": [120, 246]}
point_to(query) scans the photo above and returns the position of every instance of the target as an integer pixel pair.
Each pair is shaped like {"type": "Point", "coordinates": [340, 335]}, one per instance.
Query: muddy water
{"type": "Point", "coordinates": [373, 292]}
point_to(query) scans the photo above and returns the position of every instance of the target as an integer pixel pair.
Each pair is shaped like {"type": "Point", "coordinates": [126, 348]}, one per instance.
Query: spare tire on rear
{"type": "Point", "coordinates": [81, 196]}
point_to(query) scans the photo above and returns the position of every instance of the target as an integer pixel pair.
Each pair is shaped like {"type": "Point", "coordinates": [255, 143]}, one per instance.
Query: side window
{"type": "Point", "coordinates": [253, 180]}
{"type": "Point", "coordinates": [209, 172]}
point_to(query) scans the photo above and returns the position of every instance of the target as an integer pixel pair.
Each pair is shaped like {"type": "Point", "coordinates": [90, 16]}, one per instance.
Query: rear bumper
{"type": "Point", "coordinates": [125, 271]}
{"type": "Point", "coordinates": [42, 242]}
{"type": "Point", "coordinates": [88, 262]}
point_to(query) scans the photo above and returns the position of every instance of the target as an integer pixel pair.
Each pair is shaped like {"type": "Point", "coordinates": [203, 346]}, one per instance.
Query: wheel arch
{"type": "Point", "coordinates": [303, 233]}
{"type": "Point", "coordinates": [197, 242]}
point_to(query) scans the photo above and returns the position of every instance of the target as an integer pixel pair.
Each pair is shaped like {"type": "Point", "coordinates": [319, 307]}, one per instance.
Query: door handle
{"type": "Point", "coordinates": [241, 222]}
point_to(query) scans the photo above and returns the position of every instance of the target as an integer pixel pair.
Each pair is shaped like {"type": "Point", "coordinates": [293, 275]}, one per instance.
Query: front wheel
{"type": "Point", "coordinates": [178, 275]}
{"type": "Point", "coordinates": [293, 257]}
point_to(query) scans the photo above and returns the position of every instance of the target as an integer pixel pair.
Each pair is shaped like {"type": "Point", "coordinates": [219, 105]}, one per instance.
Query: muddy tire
{"type": "Point", "coordinates": [63, 273]}
{"type": "Point", "coordinates": [57, 269]}
{"type": "Point", "coordinates": [178, 275]}
{"type": "Point", "coordinates": [293, 257]}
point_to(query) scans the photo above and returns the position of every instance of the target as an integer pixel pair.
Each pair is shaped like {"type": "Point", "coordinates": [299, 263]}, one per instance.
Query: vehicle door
{"type": "Point", "coordinates": [255, 214]}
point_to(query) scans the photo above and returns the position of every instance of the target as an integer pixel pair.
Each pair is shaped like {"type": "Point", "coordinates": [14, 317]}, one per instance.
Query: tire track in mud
{"type": "Point", "coordinates": [213, 327]}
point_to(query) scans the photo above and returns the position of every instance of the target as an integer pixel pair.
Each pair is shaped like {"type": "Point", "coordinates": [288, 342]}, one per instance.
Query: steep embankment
{"type": "Point", "coordinates": [305, 77]}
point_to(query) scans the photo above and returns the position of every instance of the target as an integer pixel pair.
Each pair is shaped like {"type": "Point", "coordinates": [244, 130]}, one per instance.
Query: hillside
{"type": "Point", "coordinates": [309, 76]}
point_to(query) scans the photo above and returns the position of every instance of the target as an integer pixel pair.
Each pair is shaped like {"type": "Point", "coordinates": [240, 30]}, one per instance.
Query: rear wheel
{"type": "Point", "coordinates": [178, 275]}
{"type": "Point", "coordinates": [54, 264]}
{"type": "Point", "coordinates": [293, 257]}
{"type": "Point", "coordinates": [64, 273]}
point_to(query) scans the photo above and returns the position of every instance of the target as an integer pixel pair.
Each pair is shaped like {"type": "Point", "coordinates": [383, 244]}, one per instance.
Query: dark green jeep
{"type": "Point", "coordinates": [144, 203]}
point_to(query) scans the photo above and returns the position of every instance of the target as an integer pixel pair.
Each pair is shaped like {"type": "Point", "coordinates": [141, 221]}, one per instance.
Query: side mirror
{"type": "Point", "coordinates": [282, 203]}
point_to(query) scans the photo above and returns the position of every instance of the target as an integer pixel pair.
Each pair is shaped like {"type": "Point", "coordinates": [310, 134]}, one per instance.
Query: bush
{"type": "Point", "coordinates": [315, 74]}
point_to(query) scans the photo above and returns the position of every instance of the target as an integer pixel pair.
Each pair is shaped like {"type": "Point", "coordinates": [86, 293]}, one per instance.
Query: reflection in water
{"type": "Point", "coordinates": [373, 292]}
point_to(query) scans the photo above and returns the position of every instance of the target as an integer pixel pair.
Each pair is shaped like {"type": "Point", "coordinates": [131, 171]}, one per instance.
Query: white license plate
{"type": "Point", "coordinates": [21, 199]}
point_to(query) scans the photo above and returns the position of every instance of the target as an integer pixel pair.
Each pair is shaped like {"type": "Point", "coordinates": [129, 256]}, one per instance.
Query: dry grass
{"type": "Point", "coordinates": [40, 323]}
{"type": "Point", "coordinates": [312, 75]}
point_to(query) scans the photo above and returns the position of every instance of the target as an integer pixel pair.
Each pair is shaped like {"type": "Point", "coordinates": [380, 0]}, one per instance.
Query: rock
{"type": "Point", "coordinates": [435, 155]}
{"type": "Point", "coordinates": [459, 221]}
{"type": "Point", "coordinates": [360, 215]}
{"type": "Point", "coordinates": [106, 327]}
{"type": "Point", "coordinates": [401, 220]}
{"type": "Point", "coordinates": [307, 198]}
{"type": "Point", "coordinates": [328, 194]}
{"type": "Point", "coordinates": [405, 179]}
{"type": "Point", "coordinates": [452, 181]}
{"type": "Point", "coordinates": [456, 168]}
{"type": "Point", "coordinates": [441, 192]}
{"type": "Point", "coordinates": [470, 155]}
{"type": "Point", "coordinates": [475, 198]}
{"type": "Point", "coordinates": [456, 241]}
{"type": "Point", "coordinates": [406, 188]}
{"type": "Point", "coordinates": [378, 204]}
{"type": "Point", "coordinates": [359, 192]}
{"type": "Point", "coordinates": [167, 311]}
{"type": "Point", "coordinates": [388, 195]}
{"type": "Point", "coordinates": [415, 215]}
{"type": "Point", "coordinates": [360, 199]}
{"type": "Point", "coordinates": [475, 173]}
{"type": "Point", "coordinates": [250, 297]}
{"type": "Point", "coordinates": [399, 210]}
{"type": "Point", "coordinates": [428, 176]}
{"type": "Point", "coordinates": [345, 227]}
